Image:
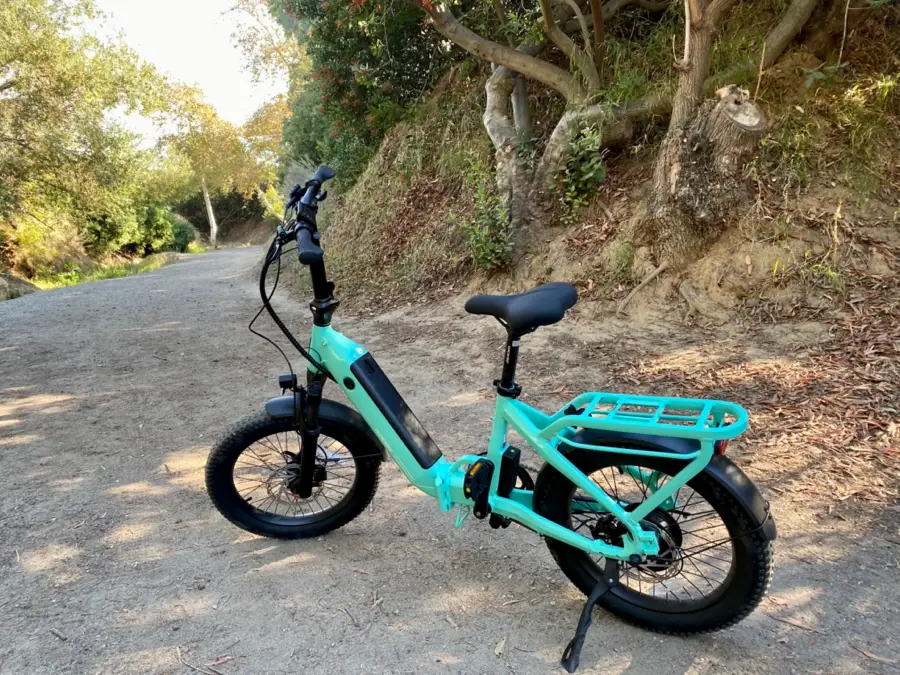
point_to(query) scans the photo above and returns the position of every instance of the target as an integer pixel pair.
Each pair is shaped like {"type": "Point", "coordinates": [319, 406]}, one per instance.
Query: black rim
{"type": "Point", "coordinates": [262, 472]}
{"type": "Point", "coordinates": [697, 555]}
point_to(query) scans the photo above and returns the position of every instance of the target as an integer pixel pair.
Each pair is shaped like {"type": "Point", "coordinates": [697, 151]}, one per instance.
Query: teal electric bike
{"type": "Point", "coordinates": [636, 499]}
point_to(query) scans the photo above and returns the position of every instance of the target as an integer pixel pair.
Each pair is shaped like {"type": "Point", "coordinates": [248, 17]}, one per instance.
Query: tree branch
{"type": "Point", "coordinates": [9, 84]}
{"type": "Point", "coordinates": [567, 46]}
{"type": "Point", "coordinates": [611, 8]}
{"type": "Point", "coordinates": [599, 29]}
{"type": "Point", "coordinates": [778, 39]}
{"type": "Point", "coordinates": [498, 10]}
{"type": "Point", "coordinates": [585, 34]}
{"type": "Point", "coordinates": [529, 66]}
{"type": "Point", "coordinates": [717, 10]}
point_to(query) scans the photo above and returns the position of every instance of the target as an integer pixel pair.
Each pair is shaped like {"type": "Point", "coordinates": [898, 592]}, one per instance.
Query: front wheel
{"type": "Point", "coordinates": [713, 567]}
{"type": "Point", "coordinates": [249, 471]}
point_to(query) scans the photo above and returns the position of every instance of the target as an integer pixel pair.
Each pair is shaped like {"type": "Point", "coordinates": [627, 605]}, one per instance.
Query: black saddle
{"type": "Point", "coordinates": [526, 312]}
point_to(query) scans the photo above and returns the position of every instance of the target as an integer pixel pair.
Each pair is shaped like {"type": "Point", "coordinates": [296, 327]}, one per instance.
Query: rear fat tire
{"type": "Point", "coordinates": [739, 595]}
{"type": "Point", "coordinates": [225, 453]}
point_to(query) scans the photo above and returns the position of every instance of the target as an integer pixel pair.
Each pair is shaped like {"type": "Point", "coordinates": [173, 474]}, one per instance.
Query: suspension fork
{"type": "Point", "coordinates": [309, 437]}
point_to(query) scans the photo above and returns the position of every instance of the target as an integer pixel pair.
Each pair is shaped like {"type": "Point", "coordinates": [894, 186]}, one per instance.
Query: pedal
{"type": "Point", "coordinates": [477, 485]}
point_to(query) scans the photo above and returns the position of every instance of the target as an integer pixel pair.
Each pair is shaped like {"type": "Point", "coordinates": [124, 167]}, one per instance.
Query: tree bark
{"type": "Point", "coordinates": [617, 123]}
{"type": "Point", "coordinates": [697, 186]}
{"type": "Point", "coordinates": [210, 214]}
{"type": "Point", "coordinates": [521, 111]}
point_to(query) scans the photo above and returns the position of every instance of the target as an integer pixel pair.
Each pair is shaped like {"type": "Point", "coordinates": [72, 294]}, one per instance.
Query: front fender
{"type": "Point", "coordinates": [286, 406]}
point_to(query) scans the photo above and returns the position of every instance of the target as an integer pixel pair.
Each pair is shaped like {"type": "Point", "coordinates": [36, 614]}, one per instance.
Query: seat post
{"type": "Point", "coordinates": [506, 385]}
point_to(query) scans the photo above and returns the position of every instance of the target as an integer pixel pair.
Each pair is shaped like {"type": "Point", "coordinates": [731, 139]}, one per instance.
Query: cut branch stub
{"type": "Point", "coordinates": [733, 129]}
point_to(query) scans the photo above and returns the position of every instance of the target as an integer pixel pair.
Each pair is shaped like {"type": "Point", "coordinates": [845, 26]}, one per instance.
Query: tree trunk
{"type": "Point", "coordinates": [267, 205]}
{"type": "Point", "coordinates": [521, 113]}
{"type": "Point", "coordinates": [210, 214]}
{"type": "Point", "coordinates": [513, 179]}
{"type": "Point", "coordinates": [697, 185]}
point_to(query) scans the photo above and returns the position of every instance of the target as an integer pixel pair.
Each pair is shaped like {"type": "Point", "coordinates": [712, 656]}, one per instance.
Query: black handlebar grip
{"type": "Point", "coordinates": [308, 250]}
{"type": "Point", "coordinates": [323, 173]}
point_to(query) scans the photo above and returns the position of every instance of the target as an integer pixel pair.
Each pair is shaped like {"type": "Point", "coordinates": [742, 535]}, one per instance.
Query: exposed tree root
{"type": "Point", "coordinates": [637, 289]}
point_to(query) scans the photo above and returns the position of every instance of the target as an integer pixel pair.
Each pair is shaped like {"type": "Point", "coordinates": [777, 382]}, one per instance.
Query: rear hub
{"type": "Point", "coordinates": [667, 562]}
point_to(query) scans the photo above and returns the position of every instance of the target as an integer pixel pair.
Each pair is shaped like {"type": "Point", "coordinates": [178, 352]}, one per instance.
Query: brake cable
{"type": "Point", "coordinates": [274, 254]}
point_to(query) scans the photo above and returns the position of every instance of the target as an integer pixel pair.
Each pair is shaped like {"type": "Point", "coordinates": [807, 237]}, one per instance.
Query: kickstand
{"type": "Point", "coordinates": [573, 649]}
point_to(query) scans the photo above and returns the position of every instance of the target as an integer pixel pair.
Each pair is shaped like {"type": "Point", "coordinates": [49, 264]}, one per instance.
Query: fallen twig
{"type": "Point", "coordinates": [874, 657]}
{"type": "Point", "coordinates": [195, 668]}
{"type": "Point", "coordinates": [650, 277]}
{"type": "Point", "coordinates": [58, 634]}
{"type": "Point", "coordinates": [796, 624]}
{"type": "Point", "coordinates": [347, 612]}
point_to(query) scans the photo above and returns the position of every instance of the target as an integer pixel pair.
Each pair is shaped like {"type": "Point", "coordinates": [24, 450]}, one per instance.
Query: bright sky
{"type": "Point", "coordinates": [190, 40]}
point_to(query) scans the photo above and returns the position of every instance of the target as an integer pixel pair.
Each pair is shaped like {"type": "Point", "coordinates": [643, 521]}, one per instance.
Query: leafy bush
{"type": "Point", "coordinates": [487, 228]}
{"type": "Point", "coordinates": [585, 171]}
{"type": "Point", "coordinates": [183, 234]}
{"type": "Point", "coordinates": [156, 231]}
{"type": "Point", "coordinates": [369, 62]}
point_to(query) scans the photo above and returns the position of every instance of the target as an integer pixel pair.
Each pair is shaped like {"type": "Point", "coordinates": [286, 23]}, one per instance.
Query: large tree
{"type": "Point", "coordinates": [66, 158]}
{"type": "Point", "coordinates": [566, 55]}
{"type": "Point", "coordinates": [213, 148]}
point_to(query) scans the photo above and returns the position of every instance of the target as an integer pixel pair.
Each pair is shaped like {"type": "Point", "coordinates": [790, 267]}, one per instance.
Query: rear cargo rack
{"type": "Point", "coordinates": [700, 419]}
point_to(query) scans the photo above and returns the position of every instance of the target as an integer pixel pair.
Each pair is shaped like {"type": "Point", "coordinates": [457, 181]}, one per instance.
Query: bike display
{"type": "Point", "coordinates": [637, 501]}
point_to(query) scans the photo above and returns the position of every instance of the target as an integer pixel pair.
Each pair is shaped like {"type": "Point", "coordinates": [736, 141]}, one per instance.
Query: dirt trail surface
{"type": "Point", "coordinates": [113, 559]}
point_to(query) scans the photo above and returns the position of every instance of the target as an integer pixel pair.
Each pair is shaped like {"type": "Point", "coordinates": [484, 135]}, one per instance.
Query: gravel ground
{"type": "Point", "coordinates": [112, 559]}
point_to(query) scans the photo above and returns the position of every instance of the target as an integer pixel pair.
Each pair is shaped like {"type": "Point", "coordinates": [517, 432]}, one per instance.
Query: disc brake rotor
{"type": "Point", "coordinates": [667, 563]}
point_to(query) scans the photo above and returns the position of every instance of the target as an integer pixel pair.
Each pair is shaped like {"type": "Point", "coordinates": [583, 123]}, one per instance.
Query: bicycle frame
{"type": "Point", "coordinates": [443, 480]}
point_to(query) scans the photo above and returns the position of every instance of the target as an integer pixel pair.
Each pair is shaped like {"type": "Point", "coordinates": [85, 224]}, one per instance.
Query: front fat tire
{"type": "Point", "coordinates": [225, 453]}
{"type": "Point", "coordinates": [744, 590]}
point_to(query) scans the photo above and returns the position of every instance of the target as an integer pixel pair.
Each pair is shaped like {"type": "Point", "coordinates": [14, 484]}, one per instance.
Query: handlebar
{"type": "Point", "coordinates": [322, 174]}
{"type": "Point", "coordinates": [306, 199]}
{"type": "Point", "coordinates": [308, 248]}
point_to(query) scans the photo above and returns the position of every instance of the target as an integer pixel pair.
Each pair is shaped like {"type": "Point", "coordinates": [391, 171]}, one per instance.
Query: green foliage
{"type": "Point", "coordinates": [66, 165]}
{"type": "Point", "coordinates": [195, 247]}
{"type": "Point", "coordinates": [231, 207]}
{"type": "Point", "coordinates": [156, 231]}
{"type": "Point", "coordinates": [183, 234]}
{"type": "Point", "coordinates": [585, 170]}
{"type": "Point", "coordinates": [487, 227]}
{"type": "Point", "coordinates": [76, 274]}
{"type": "Point", "coordinates": [368, 63]}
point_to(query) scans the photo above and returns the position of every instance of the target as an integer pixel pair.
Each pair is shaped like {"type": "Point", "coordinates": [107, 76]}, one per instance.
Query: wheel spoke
{"type": "Point", "coordinates": [262, 480]}
{"type": "Point", "coordinates": [685, 570]}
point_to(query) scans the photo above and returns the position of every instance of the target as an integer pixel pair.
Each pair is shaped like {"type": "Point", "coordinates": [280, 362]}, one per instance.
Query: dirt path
{"type": "Point", "coordinates": [111, 556]}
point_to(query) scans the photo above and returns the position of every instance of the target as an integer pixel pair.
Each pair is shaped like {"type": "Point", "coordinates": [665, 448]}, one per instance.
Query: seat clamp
{"type": "Point", "coordinates": [511, 392]}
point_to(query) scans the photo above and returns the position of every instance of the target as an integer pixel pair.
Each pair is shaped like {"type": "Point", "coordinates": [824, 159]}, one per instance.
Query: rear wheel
{"type": "Point", "coordinates": [712, 569]}
{"type": "Point", "coordinates": [249, 471]}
